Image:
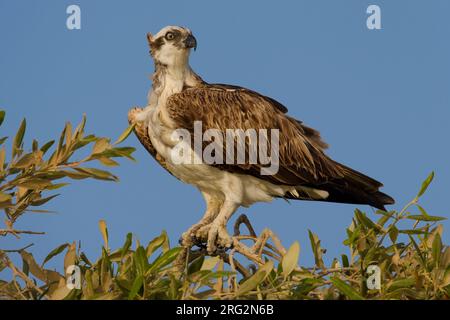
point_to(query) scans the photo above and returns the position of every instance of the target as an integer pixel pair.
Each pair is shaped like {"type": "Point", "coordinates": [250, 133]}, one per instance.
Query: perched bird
{"type": "Point", "coordinates": [180, 99]}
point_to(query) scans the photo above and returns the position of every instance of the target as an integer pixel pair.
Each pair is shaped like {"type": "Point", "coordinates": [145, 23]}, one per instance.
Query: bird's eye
{"type": "Point", "coordinates": [170, 36]}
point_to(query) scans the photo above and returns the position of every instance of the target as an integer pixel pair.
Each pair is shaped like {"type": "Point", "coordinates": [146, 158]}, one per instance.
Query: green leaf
{"type": "Point", "coordinates": [210, 263]}
{"type": "Point", "coordinates": [424, 218]}
{"type": "Point", "coordinates": [34, 183]}
{"type": "Point", "coordinates": [2, 116]}
{"type": "Point", "coordinates": [42, 201]}
{"type": "Point", "coordinates": [141, 262]}
{"type": "Point", "coordinates": [413, 231]}
{"type": "Point", "coordinates": [101, 145]}
{"type": "Point", "coordinates": [56, 186]}
{"type": "Point", "coordinates": [98, 174]}
{"type": "Point", "coordinates": [317, 250]}
{"type": "Point", "coordinates": [34, 268]}
{"type": "Point", "coordinates": [422, 210]}
{"type": "Point", "coordinates": [393, 233]}
{"type": "Point", "coordinates": [290, 260]}
{"type": "Point", "coordinates": [165, 259]}
{"type": "Point", "coordinates": [125, 134]}
{"type": "Point", "coordinates": [104, 232]}
{"type": "Point", "coordinates": [364, 220]}
{"type": "Point", "coordinates": [2, 140]}
{"type": "Point", "coordinates": [156, 243]}
{"type": "Point", "coordinates": [47, 146]}
{"type": "Point", "coordinates": [345, 262]}
{"type": "Point", "coordinates": [436, 248]}
{"type": "Point", "coordinates": [54, 253]}
{"type": "Point", "coordinates": [76, 175]}
{"type": "Point", "coordinates": [4, 197]}
{"type": "Point", "coordinates": [17, 143]}
{"type": "Point", "coordinates": [2, 159]}
{"type": "Point", "coordinates": [126, 246]}
{"type": "Point", "coordinates": [425, 184]}
{"type": "Point", "coordinates": [25, 267]}
{"type": "Point", "coordinates": [196, 265]}
{"type": "Point", "coordinates": [256, 279]}
{"type": "Point", "coordinates": [137, 284]}
{"type": "Point", "coordinates": [108, 162]}
{"type": "Point", "coordinates": [80, 128]}
{"type": "Point", "coordinates": [346, 289]}
{"type": "Point", "coordinates": [71, 255]}
{"type": "Point", "coordinates": [401, 283]}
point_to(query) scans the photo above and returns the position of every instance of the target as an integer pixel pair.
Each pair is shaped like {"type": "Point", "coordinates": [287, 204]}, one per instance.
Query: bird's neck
{"type": "Point", "coordinates": [168, 80]}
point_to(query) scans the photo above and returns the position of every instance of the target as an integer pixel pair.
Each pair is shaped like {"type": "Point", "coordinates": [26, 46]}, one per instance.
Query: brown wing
{"type": "Point", "coordinates": [228, 107]}
{"type": "Point", "coordinates": [301, 157]}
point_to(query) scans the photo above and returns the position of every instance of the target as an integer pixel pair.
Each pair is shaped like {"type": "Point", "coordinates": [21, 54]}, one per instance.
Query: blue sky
{"type": "Point", "coordinates": [380, 98]}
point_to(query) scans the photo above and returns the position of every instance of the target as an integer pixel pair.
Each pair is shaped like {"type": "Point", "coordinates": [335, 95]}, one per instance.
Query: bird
{"type": "Point", "coordinates": [180, 99]}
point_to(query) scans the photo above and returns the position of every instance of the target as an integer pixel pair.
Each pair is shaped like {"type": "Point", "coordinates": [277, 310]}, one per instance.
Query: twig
{"type": "Point", "coordinates": [4, 232]}
{"type": "Point", "coordinates": [243, 219]}
{"type": "Point", "coordinates": [21, 249]}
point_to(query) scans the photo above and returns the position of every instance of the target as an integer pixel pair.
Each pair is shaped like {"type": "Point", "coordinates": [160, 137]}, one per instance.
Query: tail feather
{"type": "Point", "coordinates": [354, 188]}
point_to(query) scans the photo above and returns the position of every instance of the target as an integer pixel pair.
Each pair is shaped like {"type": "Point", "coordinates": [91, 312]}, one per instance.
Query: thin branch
{"type": "Point", "coordinates": [4, 232]}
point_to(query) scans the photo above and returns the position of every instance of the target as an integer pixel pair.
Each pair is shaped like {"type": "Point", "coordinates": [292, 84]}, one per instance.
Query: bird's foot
{"type": "Point", "coordinates": [218, 238]}
{"type": "Point", "coordinates": [195, 236]}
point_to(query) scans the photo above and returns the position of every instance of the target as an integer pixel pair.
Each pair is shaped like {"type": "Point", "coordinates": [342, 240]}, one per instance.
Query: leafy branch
{"type": "Point", "coordinates": [27, 175]}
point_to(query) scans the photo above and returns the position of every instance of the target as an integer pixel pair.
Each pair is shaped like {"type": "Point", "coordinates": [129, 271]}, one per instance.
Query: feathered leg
{"type": "Point", "coordinates": [217, 233]}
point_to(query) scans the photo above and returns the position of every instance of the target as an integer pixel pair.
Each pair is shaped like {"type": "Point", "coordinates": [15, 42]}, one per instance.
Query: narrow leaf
{"type": "Point", "coordinates": [346, 289]}
{"type": "Point", "coordinates": [425, 184]}
{"type": "Point", "coordinates": [125, 134]}
{"type": "Point", "coordinates": [54, 253]}
{"type": "Point", "coordinates": [104, 232]}
{"type": "Point", "coordinates": [17, 143]}
{"type": "Point", "coordinates": [290, 260]}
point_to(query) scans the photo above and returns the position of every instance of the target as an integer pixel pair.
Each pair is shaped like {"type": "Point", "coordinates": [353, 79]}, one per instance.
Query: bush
{"type": "Point", "coordinates": [404, 246]}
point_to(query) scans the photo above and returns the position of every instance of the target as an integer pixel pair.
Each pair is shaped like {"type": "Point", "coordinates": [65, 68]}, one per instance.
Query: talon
{"type": "Point", "coordinates": [196, 236]}
{"type": "Point", "coordinates": [218, 239]}
{"type": "Point", "coordinates": [202, 233]}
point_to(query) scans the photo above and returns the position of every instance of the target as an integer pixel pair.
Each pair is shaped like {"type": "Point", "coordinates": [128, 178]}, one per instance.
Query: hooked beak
{"type": "Point", "coordinates": [190, 42]}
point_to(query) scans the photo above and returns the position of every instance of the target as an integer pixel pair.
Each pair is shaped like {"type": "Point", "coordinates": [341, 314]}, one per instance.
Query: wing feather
{"type": "Point", "coordinates": [223, 107]}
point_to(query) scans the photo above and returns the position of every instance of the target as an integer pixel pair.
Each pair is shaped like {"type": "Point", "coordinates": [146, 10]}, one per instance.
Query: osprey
{"type": "Point", "coordinates": [179, 99]}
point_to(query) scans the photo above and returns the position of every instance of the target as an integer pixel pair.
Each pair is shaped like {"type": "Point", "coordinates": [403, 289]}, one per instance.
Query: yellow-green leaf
{"type": "Point", "coordinates": [2, 116]}
{"type": "Point", "coordinates": [210, 263]}
{"type": "Point", "coordinates": [17, 143]}
{"type": "Point", "coordinates": [436, 248]}
{"type": "Point", "coordinates": [290, 260]}
{"type": "Point", "coordinates": [71, 256]}
{"type": "Point", "coordinates": [137, 284]}
{"type": "Point", "coordinates": [346, 289]}
{"type": "Point", "coordinates": [4, 197]}
{"type": "Point", "coordinates": [101, 145]}
{"type": "Point", "coordinates": [54, 253]}
{"type": "Point", "coordinates": [425, 184]}
{"type": "Point", "coordinates": [156, 243]}
{"type": "Point", "coordinates": [104, 232]}
{"type": "Point", "coordinates": [256, 279]}
{"type": "Point", "coordinates": [125, 134]}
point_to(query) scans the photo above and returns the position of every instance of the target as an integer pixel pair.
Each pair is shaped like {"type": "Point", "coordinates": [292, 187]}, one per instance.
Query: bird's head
{"type": "Point", "coordinates": [171, 46]}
